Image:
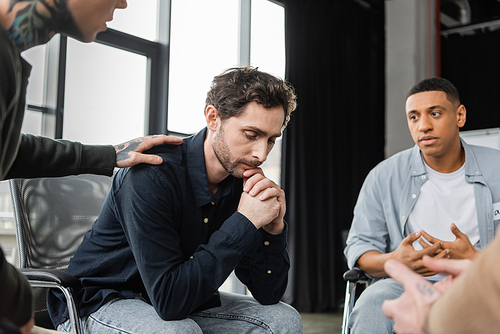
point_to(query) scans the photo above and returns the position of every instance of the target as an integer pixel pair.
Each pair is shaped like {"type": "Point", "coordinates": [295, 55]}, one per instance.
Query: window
{"type": "Point", "coordinates": [105, 95]}
{"type": "Point", "coordinates": [204, 42]}
{"type": "Point", "coordinates": [267, 52]}
{"type": "Point", "coordinates": [144, 15]}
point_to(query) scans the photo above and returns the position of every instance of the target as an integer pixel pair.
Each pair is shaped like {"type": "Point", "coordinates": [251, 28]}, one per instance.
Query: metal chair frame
{"type": "Point", "coordinates": [354, 278]}
{"type": "Point", "coordinates": [39, 275]}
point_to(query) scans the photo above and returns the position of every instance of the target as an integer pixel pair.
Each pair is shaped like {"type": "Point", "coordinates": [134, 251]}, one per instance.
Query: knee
{"type": "Point", "coordinates": [367, 316]}
{"type": "Point", "coordinates": [285, 319]}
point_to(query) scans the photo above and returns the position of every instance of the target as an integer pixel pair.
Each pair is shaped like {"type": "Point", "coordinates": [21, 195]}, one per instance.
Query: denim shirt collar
{"type": "Point", "coordinates": [472, 171]}
{"type": "Point", "coordinates": [197, 171]}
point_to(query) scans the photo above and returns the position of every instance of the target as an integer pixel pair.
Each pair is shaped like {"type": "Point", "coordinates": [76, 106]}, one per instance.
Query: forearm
{"type": "Point", "coordinates": [265, 271]}
{"type": "Point", "coordinates": [45, 157]}
{"type": "Point", "coordinates": [372, 263]}
{"type": "Point", "coordinates": [472, 305]}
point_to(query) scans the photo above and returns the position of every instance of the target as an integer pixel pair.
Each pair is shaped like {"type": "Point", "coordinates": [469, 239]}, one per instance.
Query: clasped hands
{"type": "Point", "coordinates": [460, 248]}
{"type": "Point", "coordinates": [262, 201]}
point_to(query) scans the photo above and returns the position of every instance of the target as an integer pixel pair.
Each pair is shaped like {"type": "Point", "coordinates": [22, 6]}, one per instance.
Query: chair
{"type": "Point", "coordinates": [357, 281]}
{"type": "Point", "coordinates": [52, 216]}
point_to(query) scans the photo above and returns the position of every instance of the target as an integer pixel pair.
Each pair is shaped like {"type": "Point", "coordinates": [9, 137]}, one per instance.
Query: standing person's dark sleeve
{"type": "Point", "coordinates": [66, 158]}
{"type": "Point", "coordinates": [15, 294]}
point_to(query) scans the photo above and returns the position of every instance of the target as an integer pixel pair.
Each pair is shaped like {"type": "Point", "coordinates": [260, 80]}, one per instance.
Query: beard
{"type": "Point", "coordinates": [226, 159]}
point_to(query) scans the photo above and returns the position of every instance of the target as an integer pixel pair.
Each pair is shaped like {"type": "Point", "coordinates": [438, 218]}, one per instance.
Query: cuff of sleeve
{"type": "Point", "coordinates": [241, 231]}
{"type": "Point", "coordinates": [274, 244]}
{"type": "Point", "coordinates": [98, 159]}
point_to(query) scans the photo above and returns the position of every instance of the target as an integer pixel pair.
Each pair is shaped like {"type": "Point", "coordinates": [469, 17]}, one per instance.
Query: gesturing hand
{"type": "Point", "coordinates": [460, 248]}
{"type": "Point", "coordinates": [406, 254]}
{"type": "Point", "coordinates": [409, 311]}
{"type": "Point", "coordinates": [129, 153]}
{"type": "Point", "coordinates": [453, 268]}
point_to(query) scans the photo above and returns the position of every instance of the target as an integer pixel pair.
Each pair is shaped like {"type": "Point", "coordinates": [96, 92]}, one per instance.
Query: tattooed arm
{"type": "Point", "coordinates": [34, 22]}
{"type": "Point", "coordinates": [130, 153]}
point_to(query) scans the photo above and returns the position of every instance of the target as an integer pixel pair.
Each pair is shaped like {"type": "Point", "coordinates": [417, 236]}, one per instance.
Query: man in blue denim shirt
{"type": "Point", "coordinates": [168, 236]}
{"type": "Point", "coordinates": [438, 198]}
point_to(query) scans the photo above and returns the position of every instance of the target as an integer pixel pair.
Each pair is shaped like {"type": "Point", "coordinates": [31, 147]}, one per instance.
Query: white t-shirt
{"type": "Point", "coordinates": [444, 199]}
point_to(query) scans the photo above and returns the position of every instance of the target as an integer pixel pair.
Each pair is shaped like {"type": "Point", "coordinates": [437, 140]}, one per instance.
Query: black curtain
{"type": "Point", "coordinates": [472, 63]}
{"type": "Point", "coordinates": [336, 62]}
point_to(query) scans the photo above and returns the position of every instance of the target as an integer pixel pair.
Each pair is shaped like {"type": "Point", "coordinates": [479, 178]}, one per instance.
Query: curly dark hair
{"type": "Point", "coordinates": [232, 90]}
{"type": "Point", "coordinates": [436, 84]}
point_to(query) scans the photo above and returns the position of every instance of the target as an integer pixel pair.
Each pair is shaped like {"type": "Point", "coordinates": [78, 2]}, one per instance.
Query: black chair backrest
{"type": "Point", "coordinates": [52, 216]}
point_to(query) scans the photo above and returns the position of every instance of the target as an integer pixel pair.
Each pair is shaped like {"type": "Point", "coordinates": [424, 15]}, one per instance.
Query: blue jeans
{"type": "Point", "coordinates": [367, 316]}
{"type": "Point", "coordinates": [237, 314]}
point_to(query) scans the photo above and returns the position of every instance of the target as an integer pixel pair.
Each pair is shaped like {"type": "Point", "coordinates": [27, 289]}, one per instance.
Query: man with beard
{"type": "Point", "coordinates": [168, 236]}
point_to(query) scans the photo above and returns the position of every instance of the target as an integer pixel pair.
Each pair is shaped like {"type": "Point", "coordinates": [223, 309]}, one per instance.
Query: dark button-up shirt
{"type": "Point", "coordinates": [162, 233]}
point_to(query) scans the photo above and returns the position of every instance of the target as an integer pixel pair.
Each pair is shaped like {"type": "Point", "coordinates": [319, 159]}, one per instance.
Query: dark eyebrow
{"type": "Point", "coordinates": [262, 132]}
{"type": "Point", "coordinates": [437, 106]}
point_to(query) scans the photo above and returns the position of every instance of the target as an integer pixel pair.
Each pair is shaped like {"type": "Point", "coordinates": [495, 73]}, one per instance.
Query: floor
{"type": "Point", "coordinates": [322, 323]}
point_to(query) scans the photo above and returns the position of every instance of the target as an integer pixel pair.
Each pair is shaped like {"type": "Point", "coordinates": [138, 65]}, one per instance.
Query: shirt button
{"type": "Point", "coordinates": [414, 172]}
{"type": "Point", "coordinates": [413, 196]}
{"type": "Point", "coordinates": [191, 256]}
{"type": "Point", "coordinates": [205, 220]}
{"type": "Point", "coordinates": [269, 271]}
{"type": "Point", "coordinates": [477, 172]}
{"type": "Point", "coordinates": [403, 218]}
{"type": "Point", "coordinates": [213, 203]}
{"type": "Point", "coordinates": [423, 177]}
{"type": "Point", "coordinates": [266, 243]}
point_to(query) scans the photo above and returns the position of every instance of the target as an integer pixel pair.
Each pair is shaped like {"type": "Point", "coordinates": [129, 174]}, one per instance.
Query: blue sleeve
{"type": "Point", "coordinates": [369, 227]}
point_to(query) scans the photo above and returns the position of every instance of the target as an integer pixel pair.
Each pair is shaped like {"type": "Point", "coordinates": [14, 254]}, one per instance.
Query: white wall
{"type": "Point", "coordinates": [410, 49]}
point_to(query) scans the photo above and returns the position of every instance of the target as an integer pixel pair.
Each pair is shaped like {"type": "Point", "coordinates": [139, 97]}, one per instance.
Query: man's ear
{"type": "Point", "coordinates": [461, 115]}
{"type": "Point", "coordinates": [212, 118]}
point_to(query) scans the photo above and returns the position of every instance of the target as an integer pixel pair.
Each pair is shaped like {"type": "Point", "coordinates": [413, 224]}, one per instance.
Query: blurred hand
{"type": "Point", "coordinates": [409, 311]}
{"type": "Point", "coordinates": [130, 153]}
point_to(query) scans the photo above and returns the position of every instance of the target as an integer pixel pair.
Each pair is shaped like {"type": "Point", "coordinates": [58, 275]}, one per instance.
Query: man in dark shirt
{"type": "Point", "coordinates": [168, 236]}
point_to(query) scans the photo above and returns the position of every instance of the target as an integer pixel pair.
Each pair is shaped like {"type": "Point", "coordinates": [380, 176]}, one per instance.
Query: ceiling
{"type": "Point", "coordinates": [478, 14]}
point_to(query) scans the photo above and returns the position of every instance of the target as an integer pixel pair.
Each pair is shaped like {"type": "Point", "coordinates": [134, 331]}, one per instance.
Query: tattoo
{"type": "Point", "coordinates": [425, 289]}
{"type": "Point", "coordinates": [38, 20]}
{"type": "Point", "coordinates": [123, 150]}
{"type": "Point", "coordinates": [12, 3]}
